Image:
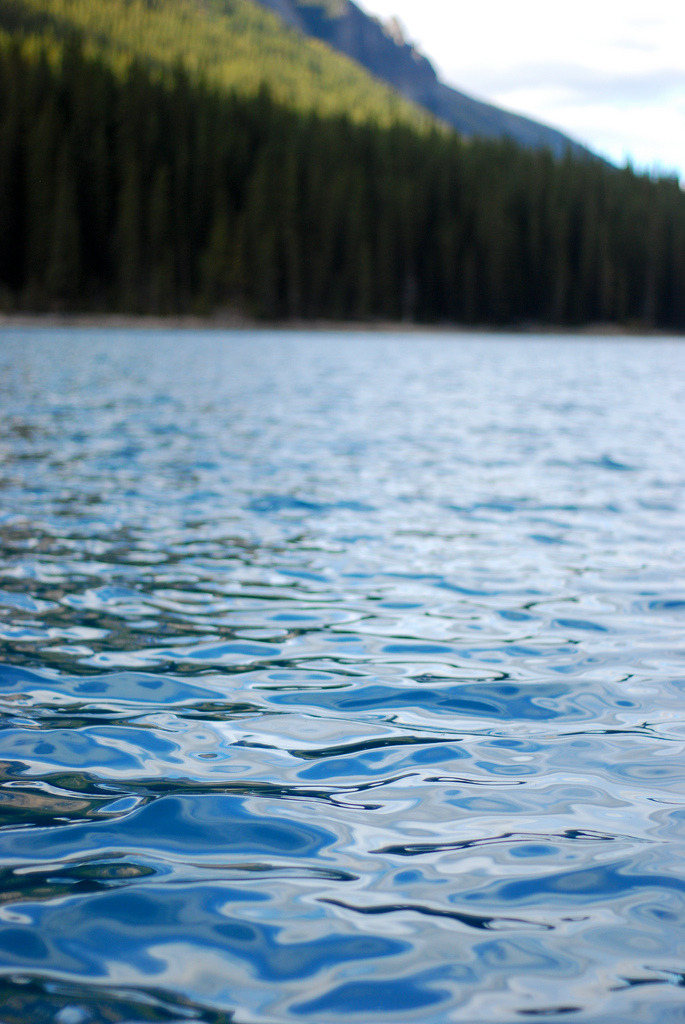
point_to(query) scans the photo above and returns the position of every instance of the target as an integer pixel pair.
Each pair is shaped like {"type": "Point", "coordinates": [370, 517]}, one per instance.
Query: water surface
{"type": "Point", "coordinates": [342, 678]}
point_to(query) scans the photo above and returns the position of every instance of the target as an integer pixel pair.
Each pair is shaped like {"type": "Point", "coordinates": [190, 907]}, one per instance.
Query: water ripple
{"type": "Point", "coordinates": [341, 678]}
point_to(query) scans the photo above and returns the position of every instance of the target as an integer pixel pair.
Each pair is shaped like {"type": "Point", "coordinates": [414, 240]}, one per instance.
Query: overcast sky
{"type": "Point", "coordinates": [611, 74]}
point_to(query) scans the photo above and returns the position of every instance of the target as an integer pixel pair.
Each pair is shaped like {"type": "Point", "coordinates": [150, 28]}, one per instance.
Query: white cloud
{"type": "Point", "coordinates": [612, 74]}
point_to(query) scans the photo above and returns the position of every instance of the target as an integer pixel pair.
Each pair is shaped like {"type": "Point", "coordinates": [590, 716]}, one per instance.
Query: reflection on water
{"type": "Point", "coordinates": [342, 678]}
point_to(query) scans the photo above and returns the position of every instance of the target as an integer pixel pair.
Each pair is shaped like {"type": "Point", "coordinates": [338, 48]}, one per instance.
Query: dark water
{"type": "Point", "coordinates": [342, 678]}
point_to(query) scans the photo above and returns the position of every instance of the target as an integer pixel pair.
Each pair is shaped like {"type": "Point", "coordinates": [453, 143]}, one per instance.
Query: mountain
{"type": "Point", "coordinates": [383, 50]}
{"type": "Point", "coordinates": [338, 60]}
{"type": "Point", "coordinates": [235, 45]}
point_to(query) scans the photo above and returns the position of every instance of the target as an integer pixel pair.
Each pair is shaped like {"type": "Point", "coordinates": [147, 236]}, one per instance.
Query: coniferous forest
{"type": "Point", "coordinates": [136, 191]}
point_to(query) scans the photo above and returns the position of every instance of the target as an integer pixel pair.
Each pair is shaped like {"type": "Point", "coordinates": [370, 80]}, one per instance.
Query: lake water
{"type": "Point", "coordinates": [342, 678]}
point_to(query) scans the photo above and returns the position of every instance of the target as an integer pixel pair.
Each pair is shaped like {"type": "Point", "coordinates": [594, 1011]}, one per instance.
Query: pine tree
{"type": "Point", "coordinates": [160, 250]}
{"type": "Point", "coordinates": [128, 249]}
{"type": "Point", "coordinates": [63, 271]}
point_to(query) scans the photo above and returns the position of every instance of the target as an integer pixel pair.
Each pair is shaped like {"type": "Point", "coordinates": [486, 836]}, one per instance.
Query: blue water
{"type": "Point", "coordinates": [342, 678]}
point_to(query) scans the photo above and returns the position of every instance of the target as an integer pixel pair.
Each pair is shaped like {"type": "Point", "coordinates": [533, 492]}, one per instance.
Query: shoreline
{"type": "Point", "coordinates": [237, 322]}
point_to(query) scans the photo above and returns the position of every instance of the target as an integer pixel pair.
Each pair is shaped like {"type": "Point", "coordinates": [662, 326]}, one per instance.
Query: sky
{"type": "Point", "coordinates": [610, 74]}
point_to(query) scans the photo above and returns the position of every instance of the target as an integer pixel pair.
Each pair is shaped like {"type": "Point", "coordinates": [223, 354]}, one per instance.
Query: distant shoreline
{"type": "Point", "coordinates": [237, 322]}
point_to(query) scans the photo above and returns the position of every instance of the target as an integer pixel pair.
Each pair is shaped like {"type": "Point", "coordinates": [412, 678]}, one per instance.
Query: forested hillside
{"type": "Point", "coordinates": [130, 188]}
{"type": "Point", "coordinates": [231, 44]}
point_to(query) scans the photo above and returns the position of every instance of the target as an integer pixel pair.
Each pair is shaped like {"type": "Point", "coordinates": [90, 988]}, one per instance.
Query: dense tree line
{"type": "Point", "coordinates": [136, 194]}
